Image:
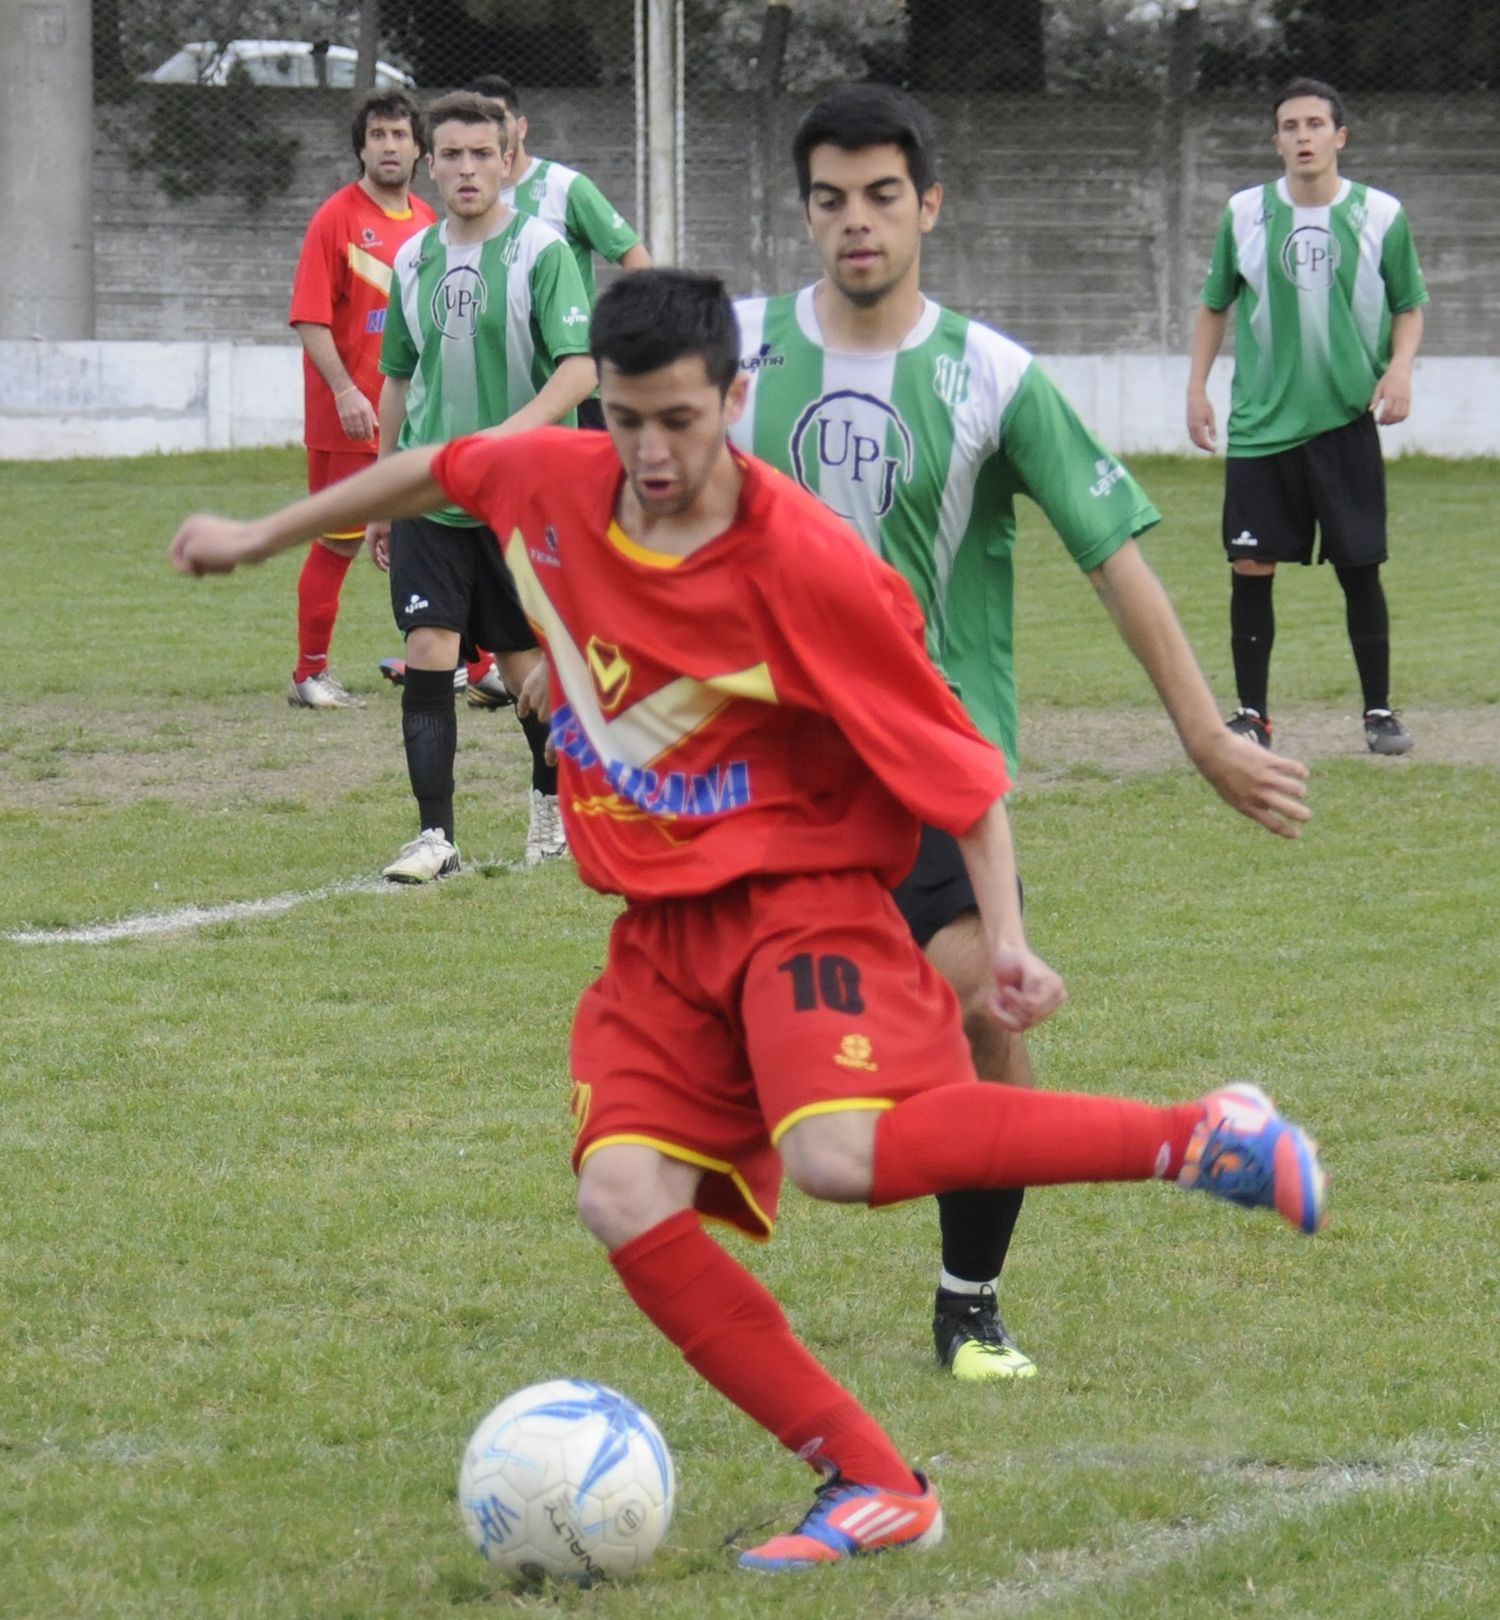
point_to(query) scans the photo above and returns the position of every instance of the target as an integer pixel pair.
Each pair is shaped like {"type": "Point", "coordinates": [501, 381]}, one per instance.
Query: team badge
{"type": "Point", "coordinates": [856, 1052]}
{"type": "Point", "coordinates": [610, 671]}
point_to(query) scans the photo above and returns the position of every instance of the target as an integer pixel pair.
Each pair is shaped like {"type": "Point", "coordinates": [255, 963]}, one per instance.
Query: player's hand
{"type": "Point", "coordinates": [1202, 426]}
{"type": "Point", "coordinates": [357, 416]}
{"type": "Point", "coordinates": [1392, 401]}
{"type": "Point", "coordinates": [535, 699]}
{"type": "Point", "coordinates": [378, 544]}
{"type": "Point", "coordinates": [1026, 989]}
{"type": "Point", "coordinates": [1266, 787]}
{"type": "Point", "coordinates": [214, 545]}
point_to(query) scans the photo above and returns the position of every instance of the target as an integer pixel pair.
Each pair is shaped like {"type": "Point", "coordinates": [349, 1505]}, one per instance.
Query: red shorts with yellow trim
{"type": "Point", "coordinates": [723, 1019]}
{"type": "Point", "coordinates": [325, 467]}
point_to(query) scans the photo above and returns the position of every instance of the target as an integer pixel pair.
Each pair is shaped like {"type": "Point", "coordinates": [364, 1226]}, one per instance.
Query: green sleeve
{"type": "Point", "coordinates": [559, 304]}
{"type": "Point", "coordinates": [592, 220]}
{"type": "Point", "coordinates": [1087, 495]}
{"type": "Point", "coordinates": [1404, 286]}
{"type": "Point", "coordinates": [398, 351]}
{"type": "Point", "coordinates": [1222, 286]}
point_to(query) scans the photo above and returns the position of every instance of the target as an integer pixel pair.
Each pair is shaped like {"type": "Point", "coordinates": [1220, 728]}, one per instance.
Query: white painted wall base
{"type": "Point", "coordinates": [63, 400]}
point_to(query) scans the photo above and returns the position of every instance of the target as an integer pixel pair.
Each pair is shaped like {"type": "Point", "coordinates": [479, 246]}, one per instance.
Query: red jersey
{"type": "Point", "coordinates": [765, 705]}
{"type": "Point", "coordinates": [343, 282]}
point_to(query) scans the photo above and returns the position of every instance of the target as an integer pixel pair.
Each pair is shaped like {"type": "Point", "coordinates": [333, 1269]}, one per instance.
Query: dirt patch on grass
{"type": "Point", "coordinates": [217, 754]}
{"type": "Point", "coordinates": [1066, 744]}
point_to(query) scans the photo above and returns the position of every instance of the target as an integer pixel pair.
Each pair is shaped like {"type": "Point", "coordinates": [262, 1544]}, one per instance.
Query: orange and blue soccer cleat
{"type": "Point", "coordinates": [1244, 1151]}
{"type": "Point", "coordinates": [847, 1521]}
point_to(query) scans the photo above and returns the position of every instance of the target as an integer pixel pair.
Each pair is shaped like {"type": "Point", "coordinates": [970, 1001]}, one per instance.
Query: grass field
{"type": "Point", "coordinates": [285, 1198]}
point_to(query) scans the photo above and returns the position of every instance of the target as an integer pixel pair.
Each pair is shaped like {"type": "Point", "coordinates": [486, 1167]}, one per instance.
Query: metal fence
{"type": "Point", "coordinates": [1056, 47]}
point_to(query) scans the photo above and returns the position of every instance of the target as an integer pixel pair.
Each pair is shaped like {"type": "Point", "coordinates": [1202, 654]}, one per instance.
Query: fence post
{"type": "Point", "coordinates": [1178, 131]}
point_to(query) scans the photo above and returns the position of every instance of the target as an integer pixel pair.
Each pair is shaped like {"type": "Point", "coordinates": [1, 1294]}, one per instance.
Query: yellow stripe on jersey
{"type": "Point", "coordinates": [368, 268]}
{"type": "Point", "coordinates": [639, 553]}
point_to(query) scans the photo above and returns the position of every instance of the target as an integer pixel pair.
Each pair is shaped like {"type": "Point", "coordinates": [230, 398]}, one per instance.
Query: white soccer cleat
{"type": "Point", "coordinates": [545, 838]}
{"type": "Point", "coordinates": [322, 691]}
{"type": "Point", "coordinates": [424, 859]}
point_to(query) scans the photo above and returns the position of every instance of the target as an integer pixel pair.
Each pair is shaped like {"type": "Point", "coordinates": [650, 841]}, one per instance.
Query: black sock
{"type": "Point", "coordinates": [977, 1228]}
{"type": "Point", "coordinates": [1369, 624]}
{"type": "Point", "coordinates": [1252, 630]}
{"type": "Point", "coordinates": [429, 729]}
{"type": "Point", "coordinates": [543, 775]}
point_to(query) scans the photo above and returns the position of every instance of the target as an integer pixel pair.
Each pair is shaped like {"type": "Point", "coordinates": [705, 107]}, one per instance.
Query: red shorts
{"type": "Point", "coordinates": [722, 1020]}
{"type": "Point", "coordinates": [325, 467]}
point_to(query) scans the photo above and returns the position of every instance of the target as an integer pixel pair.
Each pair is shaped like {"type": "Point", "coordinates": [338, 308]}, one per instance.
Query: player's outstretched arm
{"type": "Point", "coordinates": [565, 390]}
{"type": "Point", "coordinates": [400, 486]}
{"type": "Point", "coordinates": [1026, 989]}
{"type": "Point", "coordinates": [1268, 788]}
{"type": "Point", "coordinates": [1208, 334]}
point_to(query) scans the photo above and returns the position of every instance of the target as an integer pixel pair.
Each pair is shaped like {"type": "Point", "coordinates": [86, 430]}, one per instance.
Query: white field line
{"type": "Point", "coordinates": [1283, 1496]}
{"type": "Point", "coordinates": [186, 918]}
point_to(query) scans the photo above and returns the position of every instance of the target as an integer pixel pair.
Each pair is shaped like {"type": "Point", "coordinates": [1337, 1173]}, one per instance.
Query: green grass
{"type": "Point", "coordinates": [286, 1205]}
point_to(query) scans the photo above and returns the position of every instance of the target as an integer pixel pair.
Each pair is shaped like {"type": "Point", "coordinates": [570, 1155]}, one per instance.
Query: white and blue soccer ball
{"type": "Point", "coordinates": [567, 1479]}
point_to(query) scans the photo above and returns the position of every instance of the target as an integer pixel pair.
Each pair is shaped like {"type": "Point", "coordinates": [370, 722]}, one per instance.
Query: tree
{"type": "Point", "coordinates": [983, 45]}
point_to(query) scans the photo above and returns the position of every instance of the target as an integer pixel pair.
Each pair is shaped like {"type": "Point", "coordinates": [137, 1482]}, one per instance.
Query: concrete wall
{"type": "Point", "coordinates": [119, 399]}
{"type": "Point", "coordinates": [1078, 227]}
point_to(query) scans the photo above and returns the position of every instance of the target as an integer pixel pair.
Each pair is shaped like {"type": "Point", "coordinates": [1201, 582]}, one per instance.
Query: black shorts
{"type": "Point", "coordinates": [591, 414]}
{"type": "Point", "coordinates": [455, 579]}
{"type": "Point", "coordinates": [1334, 483]}
{"type": "Point", "coordinates": [937, 890]}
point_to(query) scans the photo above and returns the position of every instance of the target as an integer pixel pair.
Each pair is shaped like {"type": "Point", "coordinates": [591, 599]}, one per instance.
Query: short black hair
{"type": "Point", "coordinates": [651, 318]}
{"type": "Point", "coordinates": [861, 115]}
{"type": "Point", "coordinates": [1311, 87]}
{"type": "Point", "coordinates": [386, 104]}
{"type": "Point", "coordinates": [465, 107]}
{"type": "Point", "coordinates": [494, 87]}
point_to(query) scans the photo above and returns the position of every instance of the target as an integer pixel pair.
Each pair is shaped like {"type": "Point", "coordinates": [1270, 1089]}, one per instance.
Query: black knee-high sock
{"type": "Point", "coordinates": [1252, 631]}
{"type": "Point", "coordinates": [976, 1228]}
{"type": "Point", "coordinates": [429, 729]}
{"type": "Point", "coordinates": [543, 775]}
{"type": "Point", "coordinates": [1369, 624]}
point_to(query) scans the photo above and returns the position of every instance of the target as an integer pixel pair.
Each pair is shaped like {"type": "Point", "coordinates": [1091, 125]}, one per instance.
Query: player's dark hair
{"type": "Point", "coordinates": [861, 115]}
{"type": "Point", "coordinates": [1310, 87]}
{"type": "Point", "coordinates": [494, 87]}
{"type": "Point", "coordinates": [465, 107]}
{"type": "Point", "coordinates": [386, 104]}
{"type": "Point", "coordinates": [651, 318]}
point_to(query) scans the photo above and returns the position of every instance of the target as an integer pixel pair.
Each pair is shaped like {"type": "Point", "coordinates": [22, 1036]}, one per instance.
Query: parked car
{"type": "Point", "coordinates": [281, 62]}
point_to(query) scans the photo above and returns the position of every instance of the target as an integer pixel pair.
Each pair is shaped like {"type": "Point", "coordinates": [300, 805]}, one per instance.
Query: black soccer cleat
{"type": "Point", "coordinates": [972, 1341]}
{"type": "Point", "coordinates": [1250, 723]}
{"type": "Point", "coordinates": [1385, 734]}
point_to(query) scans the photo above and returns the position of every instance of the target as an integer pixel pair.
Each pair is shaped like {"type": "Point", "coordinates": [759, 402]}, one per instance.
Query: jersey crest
{"type": "Point", "coordinates": [458, 301]}
{"type": "Point", "coordinates": [1310, 258]}
{"type": "Point", "coordinates": [852, 450]}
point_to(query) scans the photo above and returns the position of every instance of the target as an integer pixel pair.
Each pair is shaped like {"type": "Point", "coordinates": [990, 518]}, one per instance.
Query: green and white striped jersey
{"type": "Point", "coordinates": [477, 329]}
{"type": "Point", "coordinates": [1316, 289]}
{"type": "Point", "coordinates": [577, 210]}
{"type": "Point", "coordinates": [924, 451]}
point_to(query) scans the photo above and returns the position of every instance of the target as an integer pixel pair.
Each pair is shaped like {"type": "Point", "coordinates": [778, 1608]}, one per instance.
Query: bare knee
{"type": "Point", "coordinates": [832, 1156]}
{"type": "Point", "coordinates": [625, 1190]}
{"type": "Point", "coordinates": [1253, 569]}
{"type": "Point", "coordinates": [960, 953]}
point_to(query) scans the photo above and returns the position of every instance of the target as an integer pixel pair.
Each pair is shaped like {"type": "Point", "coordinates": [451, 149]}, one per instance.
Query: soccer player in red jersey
{"type": "Point", "coordinates": [338, 310]}
{"type": "Point", "coordinates": [749, 734]}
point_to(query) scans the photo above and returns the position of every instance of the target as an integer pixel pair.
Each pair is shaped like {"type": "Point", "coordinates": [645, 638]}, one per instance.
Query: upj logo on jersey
{"type": "Point", "coordinates": [575, 316]}
{"type": "Point", "coordinates": [375, 321]}
{"type": "Point", "coordinates": [1110, 473]}
{"type": "Point", "coordinates": [1310, 258]}
{"type": "Point", "coordinates": [850, 449]}
{"type": "Point", "coordinates": [610, 671]}
{"type": "Point", "coordinates": [458, 301]}
{"type": "Point", "coordinates": [950, 380]}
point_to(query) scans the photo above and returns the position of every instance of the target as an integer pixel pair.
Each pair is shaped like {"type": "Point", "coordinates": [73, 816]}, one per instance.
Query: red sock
{"type": "Point", "coordinates": [735, 1335]}
{"type": "Point", "coordinates": [1001, 1136]}
{"type": "Point", "coordinates": [480, 667]}
{"type": "Point", "coordinates": [318, 588]}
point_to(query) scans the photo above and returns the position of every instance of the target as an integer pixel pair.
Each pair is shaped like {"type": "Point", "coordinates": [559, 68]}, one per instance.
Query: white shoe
{"type": "Point", "coordinates": [322, 691]}
{"type": "Point", "coordinates": [489, 691]}
{"type": "Point", "coordinates": [545, 838]}
{"type": "Point", "coordinates": [423, 859]}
